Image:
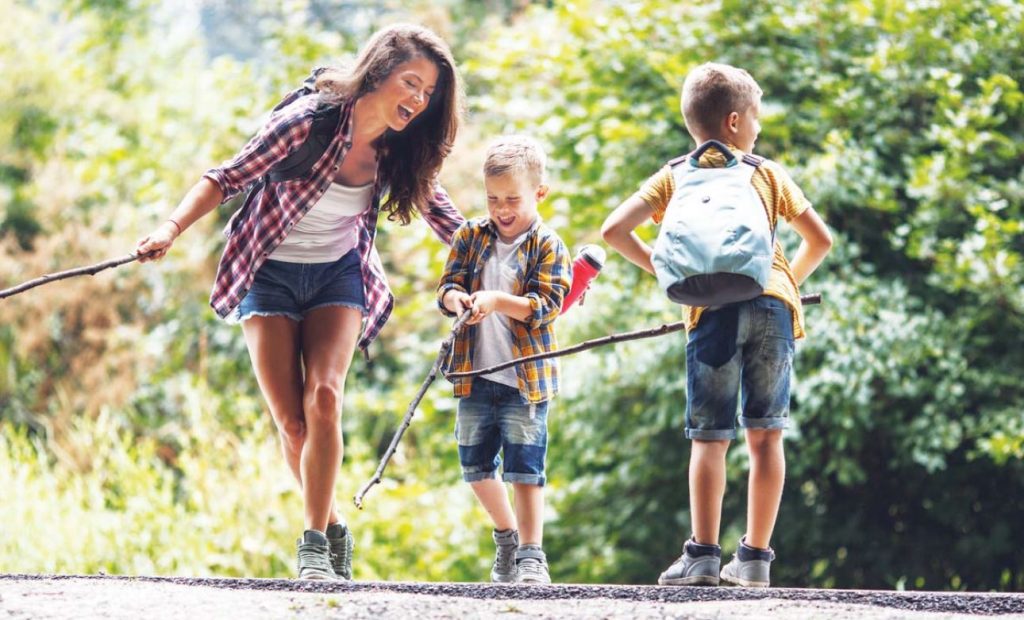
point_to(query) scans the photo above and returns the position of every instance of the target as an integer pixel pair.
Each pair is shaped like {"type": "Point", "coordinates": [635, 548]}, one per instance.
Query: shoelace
{"type": "Point", "coordinates": [341, 556]}
{"type": "Point", "coordinates": [313, 556]}
{"type": "Point", "coordinates": [505, 559]}
{"type": "Point", "coordinates": [533, 567]}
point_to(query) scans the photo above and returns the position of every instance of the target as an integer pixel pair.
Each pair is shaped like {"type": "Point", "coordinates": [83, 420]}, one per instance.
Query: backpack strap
{"type": "Point", "coordinates": [752, 160]}
{"type": "Point", "coordinates": [301, 160]}
{"type": "Point", "coordinates": [672, 163]}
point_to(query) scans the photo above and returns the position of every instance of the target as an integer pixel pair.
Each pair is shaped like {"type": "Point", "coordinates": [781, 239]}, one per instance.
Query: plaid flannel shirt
{"type": "Point", "coordinates": [544, 274]}
{"type": "Point", "coordinates": [271, 210]}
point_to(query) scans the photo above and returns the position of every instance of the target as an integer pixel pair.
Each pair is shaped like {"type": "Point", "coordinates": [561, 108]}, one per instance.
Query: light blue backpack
{"type": "Point", "coordinates": [716, 244]}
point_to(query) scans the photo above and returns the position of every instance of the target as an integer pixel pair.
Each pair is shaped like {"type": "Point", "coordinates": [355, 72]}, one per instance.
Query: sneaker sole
{"type": "Point", "coordinates": [317, 576]}
{"type": "Point", "coordinates": [746, 583]}
{"type": "Point", "coordinates": [697, 580]}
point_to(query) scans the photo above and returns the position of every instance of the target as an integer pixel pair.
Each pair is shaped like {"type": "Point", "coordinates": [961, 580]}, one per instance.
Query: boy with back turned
{"type": "Point", "coordinates": [743, 347]}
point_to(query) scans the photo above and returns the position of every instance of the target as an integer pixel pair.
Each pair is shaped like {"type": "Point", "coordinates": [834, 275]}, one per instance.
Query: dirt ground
{"type": "Point", "coordinates": [29, 596]}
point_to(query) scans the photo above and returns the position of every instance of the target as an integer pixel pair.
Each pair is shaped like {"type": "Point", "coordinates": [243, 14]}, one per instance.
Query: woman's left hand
{"type": "Point", "coordinates": [158, 242]}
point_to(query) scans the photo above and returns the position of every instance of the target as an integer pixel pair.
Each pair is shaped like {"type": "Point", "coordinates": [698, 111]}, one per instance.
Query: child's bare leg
{"type": "Point", "coordinates": [707, 487]}
{"type": "Point", "coordinates": [494, 498]}
{"type": "Point", "coordinates": [767, 475]}
{"type": "Point", "coordinates": [530, 513]}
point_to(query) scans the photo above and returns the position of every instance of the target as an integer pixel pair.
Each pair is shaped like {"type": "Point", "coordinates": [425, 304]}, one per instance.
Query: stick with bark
{"type": "Point", "coordinates": [599, 342]}
{"type": "Point", "coordinates": [442, 356]}
{"type": "Point", "coordinates": [70, 273]}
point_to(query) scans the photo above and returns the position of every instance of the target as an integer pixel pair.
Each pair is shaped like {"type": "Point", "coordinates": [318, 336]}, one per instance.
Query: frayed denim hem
{"type": "Point", "coordinates": [238, 317]}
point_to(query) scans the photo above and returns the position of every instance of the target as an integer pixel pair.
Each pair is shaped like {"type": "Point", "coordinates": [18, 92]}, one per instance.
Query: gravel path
{"type": "Point", "coordinates": [30, 596]}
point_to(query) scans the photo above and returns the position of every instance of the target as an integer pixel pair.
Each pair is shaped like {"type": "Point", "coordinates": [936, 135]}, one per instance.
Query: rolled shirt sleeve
{"type": "Point", "coordinates": [549, 283]}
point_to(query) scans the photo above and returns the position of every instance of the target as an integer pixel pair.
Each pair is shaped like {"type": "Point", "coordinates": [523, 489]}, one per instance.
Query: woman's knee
{"type": "Point", "coordinates": [293, 432]}
{"type": "Point", "coordinates": [323, 402]}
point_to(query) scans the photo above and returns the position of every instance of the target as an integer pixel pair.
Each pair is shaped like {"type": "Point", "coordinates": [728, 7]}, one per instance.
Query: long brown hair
{"type": "Point", "coordinates": [410, 160]}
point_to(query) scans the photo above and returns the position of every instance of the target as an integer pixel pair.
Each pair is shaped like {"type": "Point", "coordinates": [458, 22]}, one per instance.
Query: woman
{"type": "Point", "coordinates": [300, 270]}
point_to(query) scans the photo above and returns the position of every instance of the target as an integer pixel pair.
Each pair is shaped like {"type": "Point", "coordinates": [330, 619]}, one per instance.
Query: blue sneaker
{"type": "Point", "coordinates": [339, 539]}
{"type": "Point", "coordinates": [314, 560]}
{"type": "Point", "coordinates": [506, 542]}
{"type": "Point", "coordinates": [698, 566]}
{"type": "Point", "coordinates": [532, 565]}
{"type": "Point", "coordinates": [750, 567]}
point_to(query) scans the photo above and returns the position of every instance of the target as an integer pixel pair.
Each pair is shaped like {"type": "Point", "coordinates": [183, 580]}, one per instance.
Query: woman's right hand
{"type": "Point", "coordinates": [159, 242]}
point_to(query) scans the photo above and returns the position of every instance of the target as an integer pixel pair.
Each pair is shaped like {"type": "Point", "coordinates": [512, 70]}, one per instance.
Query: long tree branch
{"type": "Point", "coordinates": [442, 355]}
{"type": "Point", "coordinates": [598, 342]}
{"type": "Point", "coordinates": [70, 273]}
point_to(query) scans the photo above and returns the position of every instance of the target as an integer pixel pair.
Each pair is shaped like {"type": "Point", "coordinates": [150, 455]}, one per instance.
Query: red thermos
{"type": "Point", "coordinates": [585, 268]}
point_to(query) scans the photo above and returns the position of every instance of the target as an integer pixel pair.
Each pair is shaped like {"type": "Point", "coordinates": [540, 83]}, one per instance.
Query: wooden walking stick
{"type": "Point", "coordinates": [442, 357]}
{"type": "Point", "coordinates": [661, 330]}
{"type": "Point", "coordinates": [70, 273]}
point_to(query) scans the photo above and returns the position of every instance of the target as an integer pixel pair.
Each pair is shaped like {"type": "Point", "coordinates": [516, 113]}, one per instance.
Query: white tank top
{"type": "Point", "coordinates": [329, 229]}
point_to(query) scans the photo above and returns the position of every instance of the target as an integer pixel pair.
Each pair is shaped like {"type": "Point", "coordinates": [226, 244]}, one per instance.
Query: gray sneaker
{"type": "Point", "coordinates": [506, 542]}
{"type": "Point", "coordinates": [750, 567]}
{"type": "Point", "coordinates": [314, 561]}
{"type": "Point", "coordinates": [531, 565]}
{"type": "Point", "coordinates": [339, 539]}
{"type": "Point", "coordinates": [698, 566]}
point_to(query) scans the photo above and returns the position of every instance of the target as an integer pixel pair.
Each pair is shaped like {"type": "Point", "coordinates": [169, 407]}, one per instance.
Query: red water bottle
{"type": "Point", "coordinates": [588, 263]}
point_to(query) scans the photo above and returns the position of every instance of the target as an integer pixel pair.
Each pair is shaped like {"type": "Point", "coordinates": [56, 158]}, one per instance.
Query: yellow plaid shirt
{"type": "Point", "coordinates": [781, 197]}
{"type": "Point", "coordinates": [544, 274]}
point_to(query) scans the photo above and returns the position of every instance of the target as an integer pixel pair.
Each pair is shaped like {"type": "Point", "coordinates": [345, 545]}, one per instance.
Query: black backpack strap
{"type": "Point", "coordinates": [672, 163]}
{"type": "Point", "coordinates": [752, 160]}
{"type": "Point", "coordinates": [300, 161]}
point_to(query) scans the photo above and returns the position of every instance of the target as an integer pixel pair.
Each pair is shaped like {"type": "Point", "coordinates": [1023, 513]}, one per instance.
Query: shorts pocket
{"type": "Point", "coordinates": [713, 342]}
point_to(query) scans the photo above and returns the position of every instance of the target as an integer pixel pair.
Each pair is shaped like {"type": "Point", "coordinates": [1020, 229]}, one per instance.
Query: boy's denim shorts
{"type": "Point", "coordinates": [496, 417]}
{"type": "Point", "coordinates": [746, 345]}
{"type": "Point", "coordinates": [294, 289]}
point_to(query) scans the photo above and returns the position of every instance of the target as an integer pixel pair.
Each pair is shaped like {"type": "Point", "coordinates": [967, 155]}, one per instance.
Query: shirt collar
{"type": "Point", "coordinates": [713, 158]}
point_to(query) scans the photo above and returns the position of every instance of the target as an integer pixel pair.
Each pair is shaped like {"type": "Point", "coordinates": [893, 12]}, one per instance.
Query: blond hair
{"type": "Point", "coordinates": [516, 155]}
{"type": "Point", "coordinates": [712, 92]}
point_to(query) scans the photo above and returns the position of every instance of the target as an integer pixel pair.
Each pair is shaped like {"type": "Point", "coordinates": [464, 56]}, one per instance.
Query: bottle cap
{"type": "Point", "coordinates": [593, 254]}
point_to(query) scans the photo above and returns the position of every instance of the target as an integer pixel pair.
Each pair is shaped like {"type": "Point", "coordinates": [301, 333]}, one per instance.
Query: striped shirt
{"type": "Point", "coordinates": [543, 275]}
{"type": "Point", "coordinates": [272, 209]}
{"type": "Point", "coordinates": [780, 195]}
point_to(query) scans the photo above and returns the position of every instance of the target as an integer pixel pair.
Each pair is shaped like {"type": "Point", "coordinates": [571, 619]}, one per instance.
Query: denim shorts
{"type": "Point", "coordinates": [746, 345]}
{"type": "Point", "coordinates": [496, 417]}
{"type": "Point", "coordinates": [294, 289]}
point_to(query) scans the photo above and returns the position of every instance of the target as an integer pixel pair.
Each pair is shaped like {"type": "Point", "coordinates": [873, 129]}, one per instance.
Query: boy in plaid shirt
{"type": "Point", "coordinates": [512, 272]}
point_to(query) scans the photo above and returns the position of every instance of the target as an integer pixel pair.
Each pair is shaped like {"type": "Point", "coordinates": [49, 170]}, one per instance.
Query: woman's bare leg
{"type": "Point", "coordinates": [328, 336]}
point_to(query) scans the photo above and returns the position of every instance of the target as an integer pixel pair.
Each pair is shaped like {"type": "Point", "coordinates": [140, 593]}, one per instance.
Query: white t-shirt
{"type": "Point", "coordinates": [493, 343]}
{"type": "Point", "coordinates": [329, 229]}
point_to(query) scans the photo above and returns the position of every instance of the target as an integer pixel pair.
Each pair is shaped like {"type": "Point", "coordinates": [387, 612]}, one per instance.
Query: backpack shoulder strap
{"type": "Point", "coordinates": [301, 160]}
{"type": "Point", "coordinates": [672, 163]}
{"type": "Point", "coordinates": [752, 160]}
{"type": "Point", "coordinates": [308, 88]}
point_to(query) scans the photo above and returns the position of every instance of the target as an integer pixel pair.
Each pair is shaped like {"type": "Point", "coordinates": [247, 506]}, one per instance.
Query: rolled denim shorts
{"type": "Point", "coordinates": [495, 418]}
{"type": "Point", "coordinates": [294, 289]}
{"type": "Point", "coordinates": [748, 347]}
